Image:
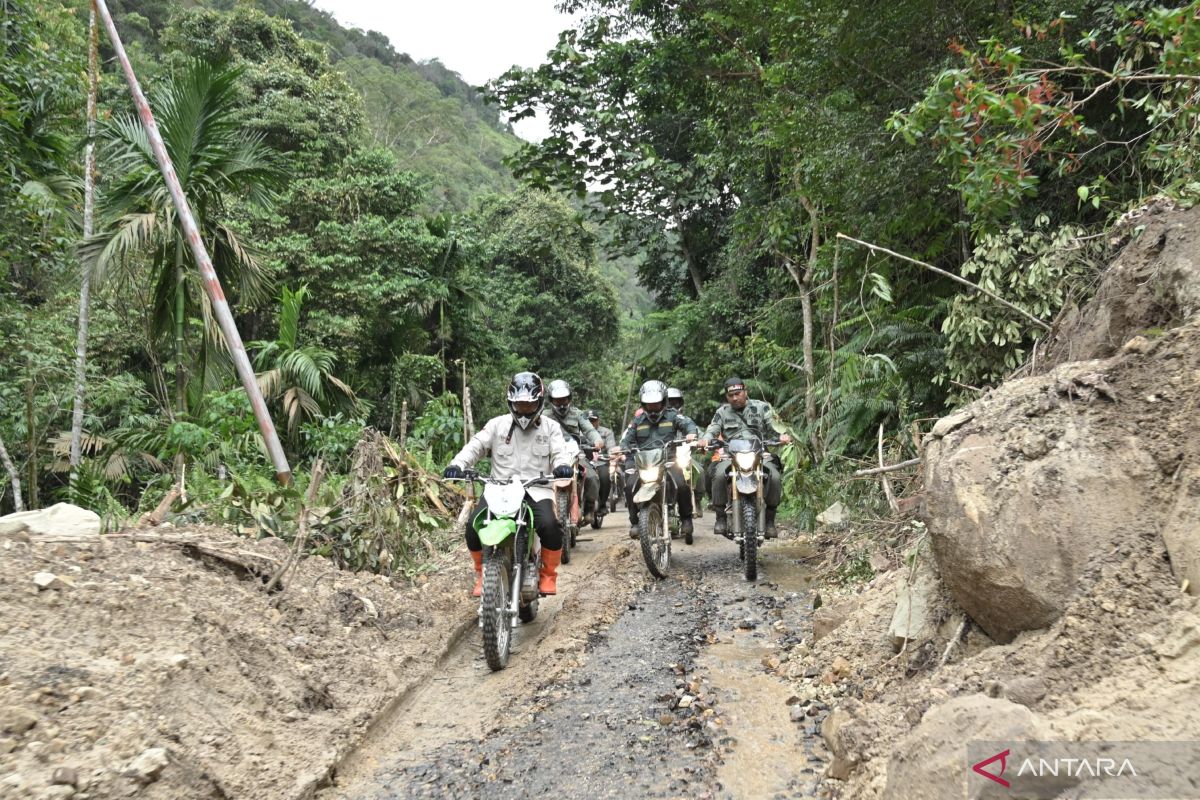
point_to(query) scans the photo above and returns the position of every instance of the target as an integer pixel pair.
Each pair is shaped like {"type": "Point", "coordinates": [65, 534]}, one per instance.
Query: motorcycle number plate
{"type": "Point", "coordinates": [646, 493]}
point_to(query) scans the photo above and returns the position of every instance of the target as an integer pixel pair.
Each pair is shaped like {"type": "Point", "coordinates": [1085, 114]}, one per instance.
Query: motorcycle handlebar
{"type": "Point", "coordinates": [627, 450]}
{"type": "Point", "coordinates": [472, 475]}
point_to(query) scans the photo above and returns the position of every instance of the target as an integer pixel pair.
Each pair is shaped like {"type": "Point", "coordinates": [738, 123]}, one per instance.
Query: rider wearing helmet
{"type": "Point", "coordinates": [524, 444]}
{"type": "Point", "coordinates": [575, 425]}
{"type": "Point", "coordinates": [655, 426]}
{"type": "Point", "coordinates": [739, 418]}
{"type": "Point", "coordinates": [700, 487]}
{"type": "Point", "coordinates": [610, 441]}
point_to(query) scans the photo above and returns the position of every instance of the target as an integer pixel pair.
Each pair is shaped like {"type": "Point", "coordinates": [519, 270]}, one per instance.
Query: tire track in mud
{"type": "Point", "coordinates": [662, 693]}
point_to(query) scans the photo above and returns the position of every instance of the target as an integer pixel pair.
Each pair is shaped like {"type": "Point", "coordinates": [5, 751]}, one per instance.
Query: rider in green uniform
{"type": "Point", "coordinates": [575, 425]}
{"type": "Point", "coordinates": [740, 418]}
{"type": "Point", "coordinates": [656, 426]}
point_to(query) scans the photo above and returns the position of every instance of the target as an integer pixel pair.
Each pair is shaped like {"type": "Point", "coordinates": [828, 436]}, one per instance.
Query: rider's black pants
{"type": "Point", "coordinates": [632, 482]}
{"type": "Point", "coordinates": [545, 521]}
{"type": "Point", "coordinates": [605, 486]}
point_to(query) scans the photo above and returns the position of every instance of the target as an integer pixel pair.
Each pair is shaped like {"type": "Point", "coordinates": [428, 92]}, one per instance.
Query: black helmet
{"type": "Point", "coordinates": [525, 387]}
{"type": "Point", "coordinates": [593, 414]}
{"type": "Point", "coordinates": [733, 384]}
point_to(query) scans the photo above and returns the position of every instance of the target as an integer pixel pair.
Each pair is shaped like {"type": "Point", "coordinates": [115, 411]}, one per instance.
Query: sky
{"type": "Point", "coordinates": [478, 39]}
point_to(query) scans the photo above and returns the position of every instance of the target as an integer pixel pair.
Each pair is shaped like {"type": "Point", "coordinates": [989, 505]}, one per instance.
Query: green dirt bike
{"type": "Point", "coordinates": [511, 557]}
{"type": "Point", "coordinates": [747, 509]}
{"type": "Point", "coordinates": [655, 501]}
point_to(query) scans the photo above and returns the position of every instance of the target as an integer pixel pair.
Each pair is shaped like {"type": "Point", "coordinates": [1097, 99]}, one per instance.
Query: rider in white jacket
{"type": "Point", "coordinates": [524, 444]}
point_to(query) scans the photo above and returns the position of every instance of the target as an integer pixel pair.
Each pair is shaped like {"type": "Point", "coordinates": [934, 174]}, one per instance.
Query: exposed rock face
{"type": "Point", "coordinates": [1153, 284]}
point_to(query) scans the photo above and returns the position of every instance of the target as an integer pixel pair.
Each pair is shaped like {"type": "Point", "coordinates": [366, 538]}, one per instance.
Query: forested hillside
{"type": "Point", "coordinates": [374, 246]}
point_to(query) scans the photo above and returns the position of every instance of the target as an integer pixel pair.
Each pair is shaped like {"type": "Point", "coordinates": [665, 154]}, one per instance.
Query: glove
{"type": "Point", "coordinates": [453, 472]}
{"type": "Point", "coordinates": [563, 472]}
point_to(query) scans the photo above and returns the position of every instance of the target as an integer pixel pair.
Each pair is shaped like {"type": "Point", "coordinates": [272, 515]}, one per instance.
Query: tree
{"type": "Point", "coordinates": [299, 377]}
{"type": "Point", "coordinates": [217, 161]}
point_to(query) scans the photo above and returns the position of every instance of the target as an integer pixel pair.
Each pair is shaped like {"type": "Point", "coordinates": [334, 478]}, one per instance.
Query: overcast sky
{"type": "Point", "coordinates": [478, 39]}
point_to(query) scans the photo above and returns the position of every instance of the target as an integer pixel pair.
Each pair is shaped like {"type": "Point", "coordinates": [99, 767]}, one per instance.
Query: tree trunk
{"type": "Point", "coordinates": [14, 477]}
{"type": "Point", "coordinates": [31, 439]}
{"type": "Point", "coordinates": [180, 307]}
{"type": "Point", "coordinates": [803, 284]}
{"type": "Point", "coordinates": [85, 278]}
{"type": "Point", "coordinates": [688, 258]}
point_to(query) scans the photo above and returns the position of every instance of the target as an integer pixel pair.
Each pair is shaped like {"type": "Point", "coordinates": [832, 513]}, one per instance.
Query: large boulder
{"type": "Point", "coordinates": [61, 518]}
{"type": "Point", "coordinates": [1026, 494]}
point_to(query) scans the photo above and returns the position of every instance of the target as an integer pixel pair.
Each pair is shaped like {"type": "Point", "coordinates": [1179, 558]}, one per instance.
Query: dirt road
{"type": "Point", "coordinates": [623, 686]}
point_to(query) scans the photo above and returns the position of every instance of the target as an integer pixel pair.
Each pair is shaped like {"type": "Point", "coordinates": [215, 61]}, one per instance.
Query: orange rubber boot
{"type": "Point", "coordinates": [477, 557]}
{"type": "Point", "coordinates": [548, 577]}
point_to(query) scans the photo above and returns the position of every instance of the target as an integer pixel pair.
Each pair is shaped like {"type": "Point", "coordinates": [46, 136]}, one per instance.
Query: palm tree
{"type": "Point", "coordinates": [216, 161]}
{"type": "Point", "coordinates": [299, 376]}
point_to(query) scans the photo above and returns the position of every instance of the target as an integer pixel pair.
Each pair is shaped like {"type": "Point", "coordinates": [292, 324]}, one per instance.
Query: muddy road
{"type": "Point", "coordinates": [623, 686]}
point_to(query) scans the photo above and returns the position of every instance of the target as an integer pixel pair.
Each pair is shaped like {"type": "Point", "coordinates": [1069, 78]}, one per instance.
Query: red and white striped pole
{"type": "Point", "coordinates": [233, 340]}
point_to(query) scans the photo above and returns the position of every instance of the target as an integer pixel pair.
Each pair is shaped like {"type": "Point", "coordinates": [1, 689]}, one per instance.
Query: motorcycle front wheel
{"type": "Point", "coordinates": [750, 540]}
{"type": "Point", "coordinates": [493, 609]}
{"type": "Point", "coordinates": [655, 538]}
{"type": "Point", "coordinates": [563, 502]}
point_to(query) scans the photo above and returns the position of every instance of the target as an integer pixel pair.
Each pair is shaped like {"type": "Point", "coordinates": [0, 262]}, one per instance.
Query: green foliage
{"type": "Point", "coordinates": [1037, 269]}
{"type": "Point", "coordinates": [1112, 108]}
{"type": "Point", "coordinates": [298, 378]}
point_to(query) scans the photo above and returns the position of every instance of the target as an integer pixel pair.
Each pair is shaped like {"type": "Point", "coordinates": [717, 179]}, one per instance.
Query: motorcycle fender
{"type": "Point", "coordinates": [646, 493]}
{"type": "Point", "coordinates": [496, 531]}
{"type": "Point", "coordinates": [746, 484]}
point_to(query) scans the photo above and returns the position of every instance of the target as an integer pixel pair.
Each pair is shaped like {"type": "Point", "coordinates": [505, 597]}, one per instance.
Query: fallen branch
{"type": "Point", "coordinates": [949, 275]}
{"type": "Point", "coordinates": [953, 641]}
{"type": "Point", "coordinates": [155, 517]}
{"type": "Point", "coordinates": [912, 462]}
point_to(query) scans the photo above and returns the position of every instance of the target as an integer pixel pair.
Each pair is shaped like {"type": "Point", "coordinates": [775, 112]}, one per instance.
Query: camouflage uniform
{"type": "Point", "coordinates": [756, 420]}
{"type": "Point", "coordinates": [644, 434]}
{"type": "Point", "coordinates": [577, 428]}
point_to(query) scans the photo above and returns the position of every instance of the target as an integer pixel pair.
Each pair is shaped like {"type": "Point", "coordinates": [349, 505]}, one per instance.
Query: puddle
{"type": "Point", "coordinates": [787, 565]}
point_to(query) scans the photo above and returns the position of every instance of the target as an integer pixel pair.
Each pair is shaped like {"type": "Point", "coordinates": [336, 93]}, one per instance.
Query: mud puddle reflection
{"type": "Point", "coordinates": [765, 753]}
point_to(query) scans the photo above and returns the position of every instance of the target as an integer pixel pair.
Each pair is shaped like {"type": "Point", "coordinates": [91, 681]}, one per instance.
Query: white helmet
{"type": "Point", "coordinates": [651, 392]}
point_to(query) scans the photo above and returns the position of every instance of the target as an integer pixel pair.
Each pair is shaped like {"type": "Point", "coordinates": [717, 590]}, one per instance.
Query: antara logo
{"type": "Point", "coordinates": [1054, 767]}
{"type": "Point", "coordinates": [998, 776]}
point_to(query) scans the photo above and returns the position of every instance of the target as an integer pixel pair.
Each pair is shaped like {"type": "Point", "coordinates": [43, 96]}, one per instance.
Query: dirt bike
{"type": "Point", "coordinates": [599, 461]}
{"type": "Point", "coordinates": [567, 494]}
{"type": "Point", "coordinates": [655, 499]}
{"type": "Point", "coordinates": [616, 483]}
{"type": "Point", "coordinates": [511, 556]}
{"type": "Point", "coordinates": [747, 507]}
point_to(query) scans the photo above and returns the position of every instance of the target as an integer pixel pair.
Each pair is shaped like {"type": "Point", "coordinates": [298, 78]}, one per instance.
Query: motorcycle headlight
{"type": "Point", "coordinates": [649, 474]}
{"type": "Point", "coordinates": [744, 460]}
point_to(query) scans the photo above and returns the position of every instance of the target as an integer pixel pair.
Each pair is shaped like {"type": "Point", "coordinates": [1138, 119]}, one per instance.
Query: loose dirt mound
{"type": "Point", "coordinates": [155, 669]}
{"type": "Point", "coordinates": [1063, 510]}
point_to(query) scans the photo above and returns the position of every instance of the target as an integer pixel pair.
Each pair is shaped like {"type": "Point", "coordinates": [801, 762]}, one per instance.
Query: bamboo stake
{"type": "Point", "coordinates": [220, 306]}
{"type": "Point", "coordinates": [949, 275]}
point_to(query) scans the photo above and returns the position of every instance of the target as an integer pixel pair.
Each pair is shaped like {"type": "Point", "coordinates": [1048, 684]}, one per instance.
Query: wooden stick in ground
{"type": "Point", "coordinates": [887, 484]}
{"type": "Point", "coordinates": [949, 275]}
{"type": "Point", "coordinates": [314, 483]}
{"type": "Point", "coordinates": [912, 462]}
